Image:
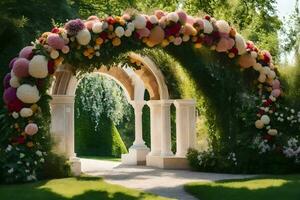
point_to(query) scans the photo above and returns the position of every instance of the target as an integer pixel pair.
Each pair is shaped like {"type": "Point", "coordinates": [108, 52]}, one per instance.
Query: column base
{"type": "Point", "coordinates": [167, 162]}
{"type": "Point", "coordinates": [136, 156]}
{"type": "Point", "coordinates": [75, 165]}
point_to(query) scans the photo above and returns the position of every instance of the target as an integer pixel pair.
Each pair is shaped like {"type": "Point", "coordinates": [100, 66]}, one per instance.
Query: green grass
{"type": "Point", "coordinates": [262, 188]}
{"type": "Point", "coordinates": [81, 188]}
{"type": "Point", "coordinates": [102, 158]}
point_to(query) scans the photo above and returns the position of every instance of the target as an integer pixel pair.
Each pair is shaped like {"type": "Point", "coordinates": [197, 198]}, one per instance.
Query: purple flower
{"type": "Point", "coordinates": [74, 26]}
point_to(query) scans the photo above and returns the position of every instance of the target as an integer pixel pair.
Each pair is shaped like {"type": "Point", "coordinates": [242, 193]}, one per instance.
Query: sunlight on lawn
{"type": "Point", "coordinates": [275, 188]}
{"type": "Point", "coordinates": [252, 184]}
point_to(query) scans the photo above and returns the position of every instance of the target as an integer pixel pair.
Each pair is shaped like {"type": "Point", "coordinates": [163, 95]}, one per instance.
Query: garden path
{"type": "Point", "coordinates": [166, 183]}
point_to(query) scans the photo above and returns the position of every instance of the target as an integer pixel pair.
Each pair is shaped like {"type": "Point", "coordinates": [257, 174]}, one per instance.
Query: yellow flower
{"type": "Point", "coordinates": [198, 45]}
{"type": "Point", "coordinates": [99, 41]}
{"type": "Point", "coordinates": [90, 50]}
{"type": "Point", "coordinates": [30, 144]}
{"type": "Point", "coordinates": [86, 53]}
{"type": "Point", "coordinates": [116, 41]}
{"type": "Point", "coordinates": [231, 55]}
{"type": "Point", "coordinates": [165, 43]}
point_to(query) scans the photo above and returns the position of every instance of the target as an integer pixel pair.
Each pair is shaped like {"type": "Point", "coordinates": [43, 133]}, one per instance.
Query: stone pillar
{"type": "Point", "coordinates": [185, 126]}
{"type": "Point", "coordinates": [138, 151]}
{"type": "Point", "coordinates": [155, 126]}
{"type": "Point", "coordinates": [138, 120]}
{"type": "Point", "coordinates": [62, 128]}
{"type": "Point", "coordinates": [166, 128]}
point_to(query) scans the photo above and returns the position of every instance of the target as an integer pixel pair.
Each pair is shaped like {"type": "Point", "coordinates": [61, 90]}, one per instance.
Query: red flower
{"type": "Point", "coordinates": [149, 25]}
{"type": "Point", "coordinates": [51, 69]}
{"type": "Point", "coordinates": [234, 50]}
{"type": "Point", "coordinates": [268, 137]}
{"type": "Point", "coordinates": [15, 106]}
{"type": "Point", "coordinates": [21, 139]}
{"type": "Point", "coordinates": [261, 112]}
{"type": "Point", "coordinates": [110, 20]}
{"type": "Point", "coordinates": [266, 58]}
{"type": "Point", "coordinates": [207, 17]}
{"type": "Point", "coordinates": [103, 35]}
{"type": "Point", "coordinates": [55, 30]}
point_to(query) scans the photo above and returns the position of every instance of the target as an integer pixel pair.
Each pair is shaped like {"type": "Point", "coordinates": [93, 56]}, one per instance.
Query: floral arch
{"type": "Point", "coordinates": [88, 44]}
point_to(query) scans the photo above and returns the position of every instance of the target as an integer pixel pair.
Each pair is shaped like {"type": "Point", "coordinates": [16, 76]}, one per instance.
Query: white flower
{"type": "Point", "coordinates": [265, 119]}
{"type": "Point", "coordinates": [14, 82]}
{"type": "Point", "coordinates": [130, 26]}
{"type": "Point", "coordinates": [39, 153]}
{"type": "Point", "coordinates": [28, 94]}
{"type": "Point", "coordinates": [153, 19]}
{"type": "Point", "coordinates": [15, 115]}
{"type": "Point", "coordinates": [83, 37]}
{"type": "Point", "coordinates": [10, 171]}
{"type": "Point", "coordinates": [173, 16]}
{"type": "Point", "coordinates": [38, 67]}
{"type": "Point", "coordinates": [22, 155]}
{"type": "Point", "coordinates": [8, 148]}
{"type": "Point", "coordinates": [128, 33]}
{"type": "Point", "coordinates": [240, 44]}
{"type": "Point", "coordinates": [223, 26]}
{"type": "Point", "coordinates": [139, 22]}
{"type": "Point", "coordinates": [97, 27]}
{"type": "Point", "coordinates": [54, 54]}
{"type": "Point", "coordinates": [119, 31]}
{"type": "Point", "coordinates": [42, 160]}
{"type": "Point", "coordinates": [208, 28]}
{"type": "Point", "coordinates": [26, 112]}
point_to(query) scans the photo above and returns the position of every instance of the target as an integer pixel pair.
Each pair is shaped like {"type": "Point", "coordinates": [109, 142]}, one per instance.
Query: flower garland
{"type": "Point", "coordinates": [36, 63]}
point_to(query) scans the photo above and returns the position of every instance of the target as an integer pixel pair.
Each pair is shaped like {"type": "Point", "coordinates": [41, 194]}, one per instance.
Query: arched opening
{"type": "Point", "coordinates": [134, 82]}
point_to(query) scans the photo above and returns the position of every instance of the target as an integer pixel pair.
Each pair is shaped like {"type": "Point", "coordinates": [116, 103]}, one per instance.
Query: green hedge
{"type": "Point", "coordinates": [88, 142]}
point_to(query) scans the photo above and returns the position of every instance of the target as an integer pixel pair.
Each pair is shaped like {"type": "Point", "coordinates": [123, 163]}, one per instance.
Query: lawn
{"type": "Point", "coordinates": [81, 188]}
{"type": "Point", "coordinates": [273, 187]}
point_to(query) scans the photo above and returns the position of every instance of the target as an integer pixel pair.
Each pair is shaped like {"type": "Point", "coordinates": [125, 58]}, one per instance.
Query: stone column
{"type": "Point", "coordinates": [155, 126]}
{"type": "Point", "coordinates": [62, 128]}
{"type": "Point", "coordinates": [166, 128]}
{"type": "Point", "coordinates": [138, 120]}
{"type": "Point", "coordinates": [185, 126]}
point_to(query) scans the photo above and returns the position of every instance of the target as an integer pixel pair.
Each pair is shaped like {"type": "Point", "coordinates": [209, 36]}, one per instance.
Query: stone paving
{"type": "Point", "coordinates": [166, 183]}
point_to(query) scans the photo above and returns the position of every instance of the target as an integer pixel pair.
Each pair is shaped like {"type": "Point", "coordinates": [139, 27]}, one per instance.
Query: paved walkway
{"type": "Point", "coordinates": [167, 183]}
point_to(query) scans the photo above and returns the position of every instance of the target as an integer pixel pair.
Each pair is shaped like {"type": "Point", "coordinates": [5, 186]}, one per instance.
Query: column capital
{"type": "Point", "coordinates": [153, 103]}
{"type": "Point", "coordinates": [166, 102]}
{"type": "Point", "coordinates": [136, 104]}
{"type": "Point", "coordinates": [184, 102]}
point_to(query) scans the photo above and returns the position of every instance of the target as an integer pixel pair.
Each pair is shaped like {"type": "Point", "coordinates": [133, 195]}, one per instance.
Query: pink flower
{"type": "Point", "coordinates": [10, 95]}
{"type": "Point", "coordinates": [55, 41]}
{"type": "Point", "coordinates": [31, 129]}
{"type": "Point", "coordinates": [6, 81]}
{"type": "Point", "coordinates": [26, 52]}
{"type": "Point", "coordinates": [20, 67]}
{"type": "Point", "coordinates": [74, 26]}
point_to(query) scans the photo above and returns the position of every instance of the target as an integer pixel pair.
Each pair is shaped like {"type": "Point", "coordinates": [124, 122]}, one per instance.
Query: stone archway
{"type": "Point", "coordinates": [134, 84]}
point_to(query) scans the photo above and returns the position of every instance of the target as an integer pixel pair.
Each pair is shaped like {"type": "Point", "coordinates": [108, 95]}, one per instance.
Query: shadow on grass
{"type": "Point", "coordinates": [81, 188]}
{"type": "Point", "coordinates": [275, 188]}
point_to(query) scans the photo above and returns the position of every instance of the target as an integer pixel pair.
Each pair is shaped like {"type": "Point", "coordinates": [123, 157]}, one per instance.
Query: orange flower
{"type": "Point", "coordinates": [99, 41]}
{"type": "Point", "coordinates": [116, 41]}
{"type": "Point", "coordinates": [30, 144]}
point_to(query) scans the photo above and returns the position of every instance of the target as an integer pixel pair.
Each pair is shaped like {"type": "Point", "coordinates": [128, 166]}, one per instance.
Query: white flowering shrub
{"type": "Point", "coordinates": [99, 95]}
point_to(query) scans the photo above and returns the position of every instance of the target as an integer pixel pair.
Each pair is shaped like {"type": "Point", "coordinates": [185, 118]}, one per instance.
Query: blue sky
{"type": "Point", "coordinates": [285, 7]}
